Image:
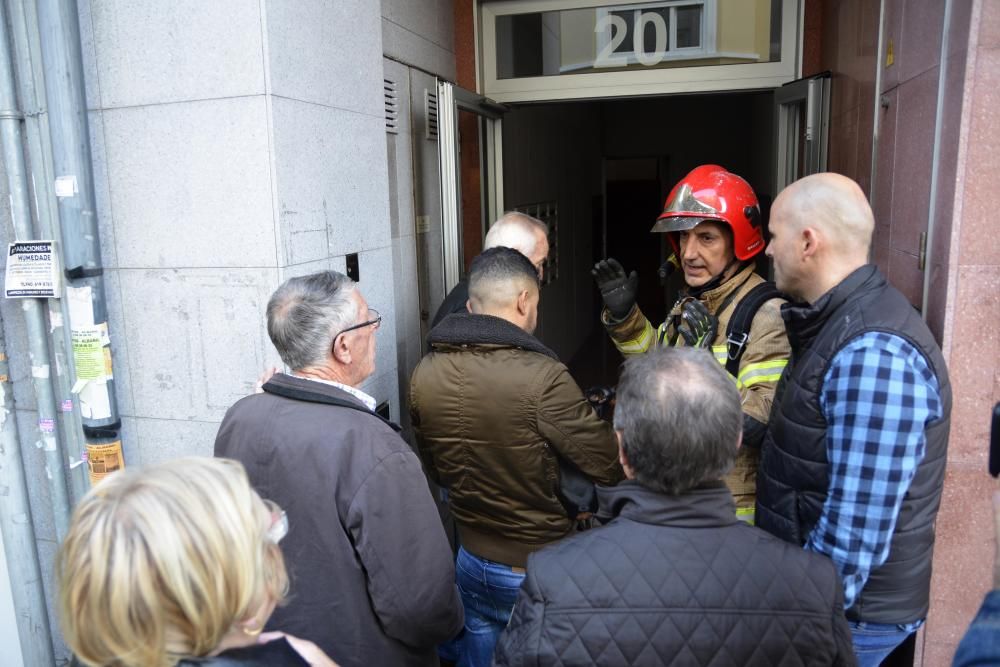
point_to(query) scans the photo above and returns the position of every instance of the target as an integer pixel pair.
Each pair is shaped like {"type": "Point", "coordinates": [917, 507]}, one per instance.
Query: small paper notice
{"type": "Point", "coordinates": [32, 270]}
{"type": "Point", "coordinates": [66, 186]}
{"type": "Point", "coordinates": [102, 460]}
{"type": "Point", "coordinates": [95, 401]}
{"type": "Point", "coordinates": [88, 353]}
{"type": "Point", "coordinates": [81, 306]}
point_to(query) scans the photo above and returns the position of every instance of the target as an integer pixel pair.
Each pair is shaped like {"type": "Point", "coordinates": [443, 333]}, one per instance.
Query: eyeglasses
{"type": "Point", "coordinates": [372, 323]}
{"type": "Point", "coordinates": [278, 527]}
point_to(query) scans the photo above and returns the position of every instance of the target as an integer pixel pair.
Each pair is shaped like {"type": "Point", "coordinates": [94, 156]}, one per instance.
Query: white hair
{"type": "Point", "coordinates": [516, 230]}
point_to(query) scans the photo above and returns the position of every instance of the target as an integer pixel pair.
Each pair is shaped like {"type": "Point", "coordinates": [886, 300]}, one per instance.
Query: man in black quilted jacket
{"type": "Point", "coordinates": [673, 578]}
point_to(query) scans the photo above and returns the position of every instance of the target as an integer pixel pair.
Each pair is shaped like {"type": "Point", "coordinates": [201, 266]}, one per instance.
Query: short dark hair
{"type": "Point", "coordinates": [494, 269]}
{"type": "Point", "coordinates": [680, 418]}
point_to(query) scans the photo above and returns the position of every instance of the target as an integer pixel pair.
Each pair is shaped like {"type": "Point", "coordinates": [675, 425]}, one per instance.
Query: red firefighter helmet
{"type": "Point", "coordinates": [710, 192]}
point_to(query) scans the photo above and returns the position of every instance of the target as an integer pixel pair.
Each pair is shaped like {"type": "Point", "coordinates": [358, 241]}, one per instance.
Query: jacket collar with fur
{"type": "Point", "coordinates": [472, 330]}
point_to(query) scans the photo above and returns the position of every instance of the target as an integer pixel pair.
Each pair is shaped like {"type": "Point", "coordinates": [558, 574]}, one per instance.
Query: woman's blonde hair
{"type": "Point", "coordinates": [160, 563]}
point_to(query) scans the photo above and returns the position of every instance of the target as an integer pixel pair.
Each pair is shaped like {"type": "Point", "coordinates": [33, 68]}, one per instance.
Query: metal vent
{"type": "Point", "coordinates": [547, 212]}
{"type": "Point", "coordinates": [391, 106]}
{"type": "Point", "coordinates": [431, 114]}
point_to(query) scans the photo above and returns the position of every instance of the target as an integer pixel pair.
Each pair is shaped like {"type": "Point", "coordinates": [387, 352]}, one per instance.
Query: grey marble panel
{"type": "Point", "coordinates": [191, 184]}
{"type": "Point", "coordinates": [155, 52]}
{"type": "Point", "coordinates": [332, 181]}
{"type": "Point", "coordinates": [197, 339]}
{"type": "Point", "coordinates": [326, 52]}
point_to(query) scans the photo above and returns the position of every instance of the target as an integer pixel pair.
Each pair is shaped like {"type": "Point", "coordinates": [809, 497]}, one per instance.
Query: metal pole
{"type": "Point", "coordinates": [34, 309]}
{"type": "Point", "coordinates": [59, 27]}
{"type": "Point", "coordinates": [19, 532]}
{"type": "Point", "coordinates": [936, 162]}
{"type": "Point", "coordinates": [27, 63]}
{"type": "Point", "coordinates": [20, 547]}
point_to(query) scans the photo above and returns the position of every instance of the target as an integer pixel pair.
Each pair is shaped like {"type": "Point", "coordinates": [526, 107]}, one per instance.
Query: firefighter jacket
{"type": "Point", "coordinates": [764, 358]}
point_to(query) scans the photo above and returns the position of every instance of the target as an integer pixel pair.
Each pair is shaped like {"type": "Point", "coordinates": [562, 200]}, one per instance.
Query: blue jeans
{"type": "Point", "coordinates": [488, 591]}
{"type": "Point", "coordinates": [873, 642]}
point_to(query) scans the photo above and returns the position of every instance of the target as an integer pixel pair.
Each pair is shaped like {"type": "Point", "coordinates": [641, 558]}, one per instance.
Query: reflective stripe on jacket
{"type": "Point", "coordinates": [764, 358]}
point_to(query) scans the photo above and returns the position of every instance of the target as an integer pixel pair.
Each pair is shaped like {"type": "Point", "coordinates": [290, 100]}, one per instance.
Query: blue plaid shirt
{"type": "Point", "coordinates": [878, 397]}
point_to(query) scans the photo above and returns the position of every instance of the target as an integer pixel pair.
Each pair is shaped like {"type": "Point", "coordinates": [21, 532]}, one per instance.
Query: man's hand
{"type": "Point", "coordinates": [258, 387]}
{"type": "Point", "coordinates": [617, 289]}
{"type": "Point", "coordinates": [698, 326]}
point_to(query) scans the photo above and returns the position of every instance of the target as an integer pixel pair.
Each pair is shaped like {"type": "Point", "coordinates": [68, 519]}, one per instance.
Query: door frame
{"type": "Point", "coordinates": [813, 94]}
{"type": "Point", "coordinates": [451, 99]}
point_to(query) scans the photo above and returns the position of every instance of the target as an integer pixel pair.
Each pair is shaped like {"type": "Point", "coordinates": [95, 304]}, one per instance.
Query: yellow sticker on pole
{"type": "Point", "coordinates": [104, 459]}
{"type": "Point", "coordinates": [88, 353]}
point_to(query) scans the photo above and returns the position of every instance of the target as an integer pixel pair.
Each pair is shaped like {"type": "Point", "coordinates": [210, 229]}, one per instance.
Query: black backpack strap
{"type": "Point", "coordinates": [316, 397]}
{"type": "Point", "coordinates": [738, 331]}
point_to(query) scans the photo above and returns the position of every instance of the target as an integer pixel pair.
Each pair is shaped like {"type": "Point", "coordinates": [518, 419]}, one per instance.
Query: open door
{"type": "Point", "coordinates": [802, 118]}
{"type": "Point", "coordinates": [469, 147]}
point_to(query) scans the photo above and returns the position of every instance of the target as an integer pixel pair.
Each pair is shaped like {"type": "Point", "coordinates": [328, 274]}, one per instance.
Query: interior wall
{"type": "Point", "coordinates": [556, 152]}
{"type": "Point", "coordinates": [733, 130]}
{"type": "Point", "coordinates": [553, 153]}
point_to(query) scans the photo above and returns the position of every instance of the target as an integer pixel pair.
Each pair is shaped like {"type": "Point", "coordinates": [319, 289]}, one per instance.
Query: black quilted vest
{"type": "Point", "coordinates": [792, 482]}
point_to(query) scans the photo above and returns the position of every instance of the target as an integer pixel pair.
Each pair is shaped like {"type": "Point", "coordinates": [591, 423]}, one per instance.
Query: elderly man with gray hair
{"type": "Point", "coordinates": [371, 572]}
{"type": "Point", "coordinates": [674, 578]}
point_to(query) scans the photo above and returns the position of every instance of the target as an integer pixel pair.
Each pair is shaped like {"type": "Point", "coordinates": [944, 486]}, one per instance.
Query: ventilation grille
{"type": "Point", "coordinates": [431, 114]}
{"type": "Point", "coordinates": [391, 106]}
{"type": "Point", "coordinates": [547, 212]}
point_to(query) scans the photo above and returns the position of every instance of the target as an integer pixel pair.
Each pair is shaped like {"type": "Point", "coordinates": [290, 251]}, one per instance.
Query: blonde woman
{"type": "Point", "coordinates": [176, 564]}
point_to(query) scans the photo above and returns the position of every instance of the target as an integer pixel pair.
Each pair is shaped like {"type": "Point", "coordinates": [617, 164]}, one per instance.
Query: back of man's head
{"type": "Point", "coordinates": [306, 312]}
{"type": "Point", "coordinates": [679, 417]}
{"type": "Point", "coordinates": [519, 231]}
{"type": "Point", "coordinates": [835, 205]}
{"type": "Point", "coordinates": [497, 277]}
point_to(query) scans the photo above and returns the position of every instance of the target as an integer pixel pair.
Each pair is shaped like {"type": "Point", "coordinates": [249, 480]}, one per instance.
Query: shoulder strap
{"type": "Point", "coordinates": [738, 331]}
{"type": "Point", "coordinates": [316, 397]}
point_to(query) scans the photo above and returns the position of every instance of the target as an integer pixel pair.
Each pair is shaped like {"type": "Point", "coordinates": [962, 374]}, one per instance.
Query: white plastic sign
{"type": "Point", "coordinates": [32, 270]}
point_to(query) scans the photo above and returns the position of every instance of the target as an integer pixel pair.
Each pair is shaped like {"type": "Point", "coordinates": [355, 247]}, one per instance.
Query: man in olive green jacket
{"type": "Point", "coordinates": [492, 409]}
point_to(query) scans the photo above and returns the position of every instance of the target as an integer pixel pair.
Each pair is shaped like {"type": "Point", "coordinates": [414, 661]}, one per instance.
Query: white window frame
{"type": "Point", "coordinates": [652, 81]}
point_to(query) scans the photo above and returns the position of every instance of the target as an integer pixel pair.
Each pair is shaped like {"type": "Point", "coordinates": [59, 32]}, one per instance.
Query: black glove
{"type": "Point", "coordinates": [617, 289]}
{"type": "Point", "coordinates": [698, 326]}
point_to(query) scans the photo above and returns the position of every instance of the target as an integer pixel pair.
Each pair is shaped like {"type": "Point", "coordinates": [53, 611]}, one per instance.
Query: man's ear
{"type": "Point", "coordinates": [468, 305]}
{"type": "Point", "coordinates": [622, 459]}
{"type": "Point", "coordinates": [341, 352]}
{"type": "Point", "coordinates": [522, 303]}
{"type": "Point", "coordinates": [810, 242]}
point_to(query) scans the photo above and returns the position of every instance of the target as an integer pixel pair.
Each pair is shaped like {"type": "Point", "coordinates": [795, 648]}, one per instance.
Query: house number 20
{"type": "Point", "coordinates": [618, 29]}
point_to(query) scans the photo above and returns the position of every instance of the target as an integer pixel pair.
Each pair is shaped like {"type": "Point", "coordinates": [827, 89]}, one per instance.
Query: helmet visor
{"type": "Point", "coordinates": [684, 211]}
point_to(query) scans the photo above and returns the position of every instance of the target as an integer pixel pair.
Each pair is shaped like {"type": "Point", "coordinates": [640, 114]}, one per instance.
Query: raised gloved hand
{"type": "Point", "coordinates": [698, 326]}
{"type": "Point", "coordinates": [617, 289]}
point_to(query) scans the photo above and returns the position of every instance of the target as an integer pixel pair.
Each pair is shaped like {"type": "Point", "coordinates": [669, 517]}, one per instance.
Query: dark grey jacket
{"type": "Point", "coordinates": [372, 574]}
{"type": "Point", "coordinates": [676, 580]}
{"type": "Point", "coordinates": [793, 481]}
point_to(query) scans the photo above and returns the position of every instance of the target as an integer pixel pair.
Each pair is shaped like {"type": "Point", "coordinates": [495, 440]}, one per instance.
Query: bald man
{"type": "Point", "coordinates": [853, 460]}
{"type": "Point", "coordinates": [492, 409]}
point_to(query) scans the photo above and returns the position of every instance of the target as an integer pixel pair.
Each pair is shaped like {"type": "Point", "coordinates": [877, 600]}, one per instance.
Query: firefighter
{"type": "Point", "coordinates": [712, 221]}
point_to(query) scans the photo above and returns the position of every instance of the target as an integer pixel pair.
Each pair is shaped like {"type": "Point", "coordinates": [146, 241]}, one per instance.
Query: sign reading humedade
{"type": "Point", "coordinates": [32, 270]}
